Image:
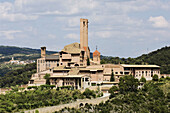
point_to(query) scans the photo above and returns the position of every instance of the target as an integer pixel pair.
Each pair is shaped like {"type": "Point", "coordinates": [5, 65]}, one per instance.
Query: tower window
{"type": "Point", "coordinates": [83, 23]}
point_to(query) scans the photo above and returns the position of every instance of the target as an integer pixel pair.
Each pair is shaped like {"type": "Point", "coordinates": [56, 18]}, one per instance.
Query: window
{"type": "Point", "coordinates": [121, 72]}
{"type": "Point", "coordinates": [93, 72]}
{"type": "Point", "coordinates": [83, 23]}
{"type": "Point", "coordinates": [136, 75]}
{"type": "Point", "coordinates": [116, 72]}
{"type": "Point", "coordinates": [126, 68]}
{"type": "Point", "coordinates": [126, 73]}
{"type": "Point", "coordinates": [86, 79]}
{"type": "Point", "coordinates": [93, 84]}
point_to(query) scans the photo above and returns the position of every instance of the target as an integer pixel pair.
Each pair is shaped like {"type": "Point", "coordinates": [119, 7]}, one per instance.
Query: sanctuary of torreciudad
{"type": "Point", "coordinates": [72, 66]}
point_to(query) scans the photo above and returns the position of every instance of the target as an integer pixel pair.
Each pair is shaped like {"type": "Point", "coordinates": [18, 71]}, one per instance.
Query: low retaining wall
{"type": "Point", "coordinates": [70, 105]}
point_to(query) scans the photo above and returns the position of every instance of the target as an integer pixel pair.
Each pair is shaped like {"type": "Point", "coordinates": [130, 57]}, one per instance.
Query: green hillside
{"type": "Point", "coordinates": [10, 50]}
{"type": "Point", "coordinates": [159, 57]}
{"type": "Point", "coordinates": [23, 54]}
{"type": "Point", "coordinates": [7, 52]}
{"type": "Point", "coordinates": [18, 76]}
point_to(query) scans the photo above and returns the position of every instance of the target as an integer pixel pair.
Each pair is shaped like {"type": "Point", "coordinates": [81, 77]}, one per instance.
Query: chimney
{"type": "Point", "coordinates": [43, 52]}
{"type": "Point", "coordinates": [83, 33]}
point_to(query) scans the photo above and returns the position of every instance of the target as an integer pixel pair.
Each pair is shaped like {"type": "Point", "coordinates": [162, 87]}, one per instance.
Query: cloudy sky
{"type": "Point", "coordinates": [124, 28]}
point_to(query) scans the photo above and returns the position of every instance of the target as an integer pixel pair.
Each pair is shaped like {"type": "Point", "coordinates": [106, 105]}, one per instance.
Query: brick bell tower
{"type": "Point", "coordinates": [84, 36]}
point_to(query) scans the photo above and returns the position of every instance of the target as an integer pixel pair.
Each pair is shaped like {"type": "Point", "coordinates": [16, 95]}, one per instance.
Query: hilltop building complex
{"type": "Point", "coordinates": [72, 66]}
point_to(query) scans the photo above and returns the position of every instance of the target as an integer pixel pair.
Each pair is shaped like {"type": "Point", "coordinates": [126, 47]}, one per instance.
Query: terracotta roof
{"type": "Point", "coordinates": [96, 53]}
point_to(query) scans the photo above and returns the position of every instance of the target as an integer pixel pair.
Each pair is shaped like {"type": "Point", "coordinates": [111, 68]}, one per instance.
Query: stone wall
{"type": "Point", "coordinates": [70, 105]}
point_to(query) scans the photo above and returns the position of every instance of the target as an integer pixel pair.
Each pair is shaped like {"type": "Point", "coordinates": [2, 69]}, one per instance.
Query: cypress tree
{"type": "Point", "coordinates": [88, 61]}
{"type": "Point", "coordinates": [112, 77]}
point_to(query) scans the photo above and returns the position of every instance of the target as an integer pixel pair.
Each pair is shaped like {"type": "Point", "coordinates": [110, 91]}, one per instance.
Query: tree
{"type": "Point", "coordinates": [88, 93]}
{"type": "Point", "coordinates": [143, 79]}
{"type": "Point", "coordinates": [155, 77]}
{"type": "Point", "coordinates": [47, 77]}
{"type": "Point", "coordinates": [88, 61]}
{"type": "Point", "coordinates": [128, 84]}
{"type": "Point", "coordinates": [112, 77]}
{"type": "Point", "coordinates": [112, 91]}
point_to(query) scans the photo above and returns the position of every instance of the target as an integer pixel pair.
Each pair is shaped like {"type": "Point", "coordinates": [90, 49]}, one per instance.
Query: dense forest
{"type": "Point", "coordinates": [153, 97]}
{"type": "Point", "coordinates": [159, 57]}
{"type": "Point", "coordinates": [4, 68]}
{"type": "Point", "coordinates": [18, 76]}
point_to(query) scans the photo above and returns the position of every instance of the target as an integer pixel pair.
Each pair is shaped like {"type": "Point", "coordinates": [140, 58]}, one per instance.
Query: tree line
{"type": "Point", "coordinates": [159, 57]}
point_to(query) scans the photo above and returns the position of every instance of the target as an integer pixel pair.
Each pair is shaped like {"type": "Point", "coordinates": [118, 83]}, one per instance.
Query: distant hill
{"type": "Point", "coordinates": [7, 52]}
{"type": "Point", "coordinates": [159, 57]}
{"type": "Point", "coordinates": [23, 54]}
{"type": "Point", "coordinates": [10, 50]}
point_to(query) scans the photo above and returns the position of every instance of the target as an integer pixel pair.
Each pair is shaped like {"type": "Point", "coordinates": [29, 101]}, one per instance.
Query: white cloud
{"type": "Point", "coordinates": [9, 34]}
{"type": "Point", "coordinates": [72, 36]}
{"type": "Point", "coordinates": [121, 22]}
{"type": "Point", "coordinates": [7, 12]}
{"type": "Point", "coordinates": [159, 22]}
{"type": "Point", "coordinates": [5, 7]}
{"type": "Point", "coordinates": [17, 17]}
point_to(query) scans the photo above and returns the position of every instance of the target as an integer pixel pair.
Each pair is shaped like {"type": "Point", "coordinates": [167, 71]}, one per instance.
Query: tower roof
{"type": "Point", "coordinates": [96, 53]}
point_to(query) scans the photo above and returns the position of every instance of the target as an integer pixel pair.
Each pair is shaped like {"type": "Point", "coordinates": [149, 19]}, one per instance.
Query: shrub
{"type": "Point", "coordinates": [155, 77]}
{"type": "Point", "coordinates": [88, 93]}
{"type": "Point", "coordinates": [36, 111]}
{"type": "Point", "coordinates": [143, 79]}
